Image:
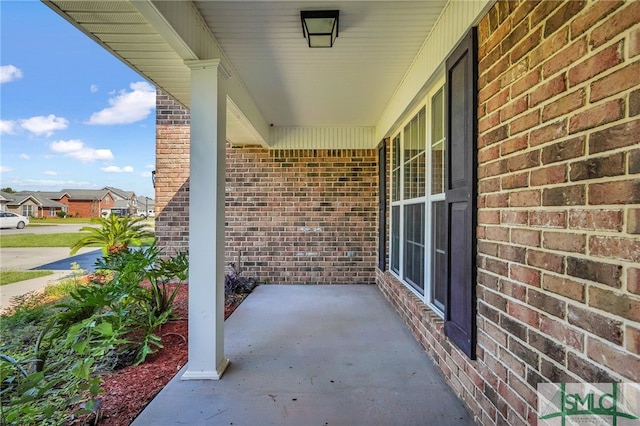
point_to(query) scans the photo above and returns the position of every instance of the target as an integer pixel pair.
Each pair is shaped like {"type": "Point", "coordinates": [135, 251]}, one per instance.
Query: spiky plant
{"type": "Point", "coordinates": [114, 235]}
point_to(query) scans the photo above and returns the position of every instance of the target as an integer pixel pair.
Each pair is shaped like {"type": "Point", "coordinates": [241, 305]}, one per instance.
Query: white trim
{"type": "Point", "coordinates": [322, 138]}
{"type": "Point", "coordinates": [426, 199]}
{"type": "Point", "coordinates": [206, 374]}
{"type": "Point", "coordinates": [197, 64]}
{"type": "Point", "coordinates": [456, 18]}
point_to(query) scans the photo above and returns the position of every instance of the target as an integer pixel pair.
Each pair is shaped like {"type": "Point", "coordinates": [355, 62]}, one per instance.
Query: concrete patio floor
{"type": "Point", "coordinates": [314, 355]}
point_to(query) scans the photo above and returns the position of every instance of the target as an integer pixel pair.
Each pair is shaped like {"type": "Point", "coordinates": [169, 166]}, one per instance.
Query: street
{"type": "Point", "coordinates": [46, 229]}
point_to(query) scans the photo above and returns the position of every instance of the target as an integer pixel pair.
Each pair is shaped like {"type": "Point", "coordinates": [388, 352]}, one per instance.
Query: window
{"type": "Point", "coordinates": [436, 199]}
{"type": "Point", "coordinates": [417, 182]}
{"type": "Point", "coordinates": [52, 212]}
{"type": "Point", "coordinates": [28, 210]}
{"type": "Point", "coordinates": [434, 196]}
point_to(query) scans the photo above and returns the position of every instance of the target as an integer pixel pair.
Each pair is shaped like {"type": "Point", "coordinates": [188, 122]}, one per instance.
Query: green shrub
{"type": "Point", "coordinates": [100, 326]}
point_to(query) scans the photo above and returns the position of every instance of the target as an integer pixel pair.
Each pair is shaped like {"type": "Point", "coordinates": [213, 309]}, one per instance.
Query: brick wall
{"type": "Point", "coordinates": [307, 216]}
{"type": "Point", "coordinates": [303, 216]}
{"type": "Point", "coordinates": [559, 208]}
{"type": "Point", "coordinates": [87, 208]}
{"type": "Point", "coordinates": [172, 174]}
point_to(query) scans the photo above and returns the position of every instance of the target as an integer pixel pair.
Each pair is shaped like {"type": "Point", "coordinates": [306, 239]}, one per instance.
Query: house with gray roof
{"type": "Point", "coordinates": [89, 202]}
{"type": "Point", "coordinates": [126, 201]}
{"type": "Point", "coordinates": [35, 203]}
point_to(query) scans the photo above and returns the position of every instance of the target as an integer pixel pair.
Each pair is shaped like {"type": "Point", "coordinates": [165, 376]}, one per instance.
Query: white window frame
{"type": "Point", "coordinates": [426, 199]}
{"type": "Point", "coordinates": [28, 210]}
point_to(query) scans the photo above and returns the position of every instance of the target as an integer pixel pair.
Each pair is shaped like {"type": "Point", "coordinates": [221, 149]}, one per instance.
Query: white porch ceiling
{"type": "Point", "coordinates": [290, 84]}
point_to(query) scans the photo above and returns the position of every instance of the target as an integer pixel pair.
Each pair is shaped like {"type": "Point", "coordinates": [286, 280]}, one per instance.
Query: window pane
{"type": "Point", "coordinates": [437, 116]}
{"type": "Point", "coordinates": [396, 152]}
{"type": "Point", "coordinates": [437, 168]}
{"type": "Point", "coordinates": [395, 239]}
{"type": "Point", "coordinates": [414, 248]}
{"type": "Point", "coordinates": [406, 136]}
{"type": "Point", "coordinates": [395, 167]}
{"type": "Point", "coordinates": [437, 142]}
{"type": "Point", "coordinates": [415, 181]}
{"type": "Point", "coordinates": [438, 254]}
{"type": "Point", "coordinates": [395, 189]}
{"type": "Point", "coordinates": [414, 167]}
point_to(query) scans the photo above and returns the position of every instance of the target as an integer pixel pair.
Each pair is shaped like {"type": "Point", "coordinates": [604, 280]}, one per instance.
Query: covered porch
{"type": "Point", "coordinates": [246, 77]}
{"type": "Point", "coordinates": [321, 355]}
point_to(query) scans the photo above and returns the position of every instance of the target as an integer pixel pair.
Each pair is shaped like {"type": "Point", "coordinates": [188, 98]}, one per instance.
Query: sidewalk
{"type": "Point", "coordinates": [54, 259]}
{"type": "Point", "coordinates": [9, 291]}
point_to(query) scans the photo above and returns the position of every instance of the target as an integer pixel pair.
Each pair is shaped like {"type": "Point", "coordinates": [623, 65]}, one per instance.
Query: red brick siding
{"type": "Point", "coordinates": [559, 193]}
{"type": "Point", "coordinates": [87, 208]}
{"type": "Point", "coordinates": [292, 216]}
{"type": "Point", "coordinates": [172, 174]}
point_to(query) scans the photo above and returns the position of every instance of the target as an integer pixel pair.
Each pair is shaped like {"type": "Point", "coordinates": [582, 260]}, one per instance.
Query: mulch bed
{"type": "Point", "coordinates": [128, 391]}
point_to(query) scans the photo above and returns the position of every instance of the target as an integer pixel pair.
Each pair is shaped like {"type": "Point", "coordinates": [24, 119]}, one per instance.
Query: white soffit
{"type": "Point", "coordinates": [347, 86]}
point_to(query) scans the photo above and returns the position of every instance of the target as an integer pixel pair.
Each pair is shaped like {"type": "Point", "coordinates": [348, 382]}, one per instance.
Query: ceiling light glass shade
{"type": "Point", "coordinates": [320, 27]}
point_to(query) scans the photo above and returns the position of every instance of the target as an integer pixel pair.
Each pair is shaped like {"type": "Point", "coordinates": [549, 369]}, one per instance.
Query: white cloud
{"type": "Point", "coordinates": [75, 148]}
{"type": "Point", "coordinates": [66, 147]}
{"type": "Point", "coordinates": [19, 184]}
{"type": "Point", "coordinates": [150, 166]}
{"type": "Point", "coordinates": [9, 73]}
{"type": "Point", "coordinates": [145, 174]}
{"type": "Point", "coordinates": [94, 88]}
{"type": "Point", "coordinates": [116, 169]}
{"type": "Point", "coordinates": [50, 173]}
{"type": "Point", "coordinates": [4, 169]}
{"type": "Point", "coordinates": [127, 107]}
{"type": "Point", "coordinates": [7, 127]}
{"type": "Point", "coordinates": [47, 125]}
{"type": "Point", "coordinates": [25, 157]}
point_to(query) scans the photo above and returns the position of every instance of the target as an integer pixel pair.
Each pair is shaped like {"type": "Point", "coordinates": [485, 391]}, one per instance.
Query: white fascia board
{"type": "Point", "coordinates": [183, 28]}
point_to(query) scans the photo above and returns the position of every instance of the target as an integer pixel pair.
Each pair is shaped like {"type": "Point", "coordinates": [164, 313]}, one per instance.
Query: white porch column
{"type": "Point", "coordinates": [206, 220]}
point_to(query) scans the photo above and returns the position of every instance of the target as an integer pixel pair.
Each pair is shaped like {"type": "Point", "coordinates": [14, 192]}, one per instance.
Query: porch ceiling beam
{"type": "Point", "coordinates": [182, 27]}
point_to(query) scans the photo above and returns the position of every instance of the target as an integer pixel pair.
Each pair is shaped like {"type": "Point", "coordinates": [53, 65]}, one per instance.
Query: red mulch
{"type": "Point", "coordinates": [128, 391]}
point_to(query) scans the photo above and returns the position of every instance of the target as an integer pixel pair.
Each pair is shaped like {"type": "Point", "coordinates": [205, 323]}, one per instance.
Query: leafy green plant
{"type": "Point", "coordinates": [53, 371]}
{"type": "Point", "coordinates": [146, 265]}
{"type": "Point", "coordinates": [115, 235]}
{"type": "Point", "coordinates": [39, 384]}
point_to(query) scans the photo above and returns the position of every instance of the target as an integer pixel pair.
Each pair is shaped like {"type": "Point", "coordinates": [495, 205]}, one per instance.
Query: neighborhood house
{"type": "Point", "coordinates": [89, 203]}
{"type": "Point", "coordinates": [494, 198]}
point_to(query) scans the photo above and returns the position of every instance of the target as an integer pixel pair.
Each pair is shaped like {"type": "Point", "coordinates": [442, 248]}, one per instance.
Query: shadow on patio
{"type": "Point", "coordinates": [314, 355]}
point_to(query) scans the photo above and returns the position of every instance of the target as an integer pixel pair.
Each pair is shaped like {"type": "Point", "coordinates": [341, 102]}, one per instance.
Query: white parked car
{"type": "Point", "coordinates": [12, 220]}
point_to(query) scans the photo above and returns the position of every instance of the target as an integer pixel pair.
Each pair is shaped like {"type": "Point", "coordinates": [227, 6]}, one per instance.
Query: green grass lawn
{"type": "Point", "coordinates": [8, 277]}
{"type": "Point", "coordinates": [58, 221]}
{"type": "Point", "coordinates": [48, 240]}
{"type": "Point", "coordinates": [41, 240]}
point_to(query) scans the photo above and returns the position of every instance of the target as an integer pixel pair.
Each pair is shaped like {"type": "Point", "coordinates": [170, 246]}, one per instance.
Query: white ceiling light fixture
{"type": "Point", "coordinates": [320, 27]}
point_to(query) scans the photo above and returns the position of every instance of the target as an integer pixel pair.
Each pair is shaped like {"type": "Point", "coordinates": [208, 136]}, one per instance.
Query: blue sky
{"type": "Point", "coordinates": [72, 115]}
